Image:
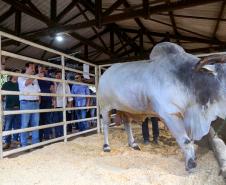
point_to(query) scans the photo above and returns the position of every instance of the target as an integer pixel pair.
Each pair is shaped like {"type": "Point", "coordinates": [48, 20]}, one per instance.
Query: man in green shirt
{"type": "Point", "coordinates": [11, 103]}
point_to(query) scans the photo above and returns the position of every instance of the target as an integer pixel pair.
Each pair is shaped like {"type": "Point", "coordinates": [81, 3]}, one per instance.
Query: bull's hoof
{"type": "Point", "coordinates": [106, 148]}
{"type": "Point", "coordinates": [191, 165]}
{"type": "Point", "coordinates": [135, 146]}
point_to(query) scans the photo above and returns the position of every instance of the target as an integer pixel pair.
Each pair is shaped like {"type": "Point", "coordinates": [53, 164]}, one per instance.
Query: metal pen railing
{"type": "Point", "coordinates": [64, 109]}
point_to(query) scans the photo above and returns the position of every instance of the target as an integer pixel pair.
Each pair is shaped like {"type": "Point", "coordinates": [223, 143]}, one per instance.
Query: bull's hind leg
{"type": "Point", "coordinates": [131, 140]}
{"type": "Point", "coordinates": [106, 122]}
{"type": "Point", "coordinates": [177, 128]}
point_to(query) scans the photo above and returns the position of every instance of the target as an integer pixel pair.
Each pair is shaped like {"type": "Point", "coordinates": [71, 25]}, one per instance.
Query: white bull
{"type": "Point", "coordinates": [188, 94]}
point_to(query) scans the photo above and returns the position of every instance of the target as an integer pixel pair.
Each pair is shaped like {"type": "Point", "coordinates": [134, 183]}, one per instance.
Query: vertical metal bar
{"type": "Point", "coordinates": [100, 122]}
{"type": "Point", "coordinates": [97, 99]}
{"type": "Point", "coordinates": [64, 99]}
{"type": "Point", "coordinates": [1, 105]}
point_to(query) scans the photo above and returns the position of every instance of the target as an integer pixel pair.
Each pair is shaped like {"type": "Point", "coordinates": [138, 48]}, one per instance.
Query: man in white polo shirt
{"type": "Point", "coordinates": [29, 85]}
{"type": "Point", "coordinates": [59, 103]}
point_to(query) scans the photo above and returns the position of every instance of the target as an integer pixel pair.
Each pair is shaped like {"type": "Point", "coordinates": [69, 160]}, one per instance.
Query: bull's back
{"type": "Point", "coordinates": [125, 86]}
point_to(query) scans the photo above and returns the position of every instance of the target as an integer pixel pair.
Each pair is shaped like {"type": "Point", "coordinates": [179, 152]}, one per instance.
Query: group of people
{"type": "Point", "coordinates": [30, 102]}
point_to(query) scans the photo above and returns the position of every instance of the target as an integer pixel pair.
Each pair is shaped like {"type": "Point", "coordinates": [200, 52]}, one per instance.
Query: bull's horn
{"type": "Point", "coordinates": [210, 60]}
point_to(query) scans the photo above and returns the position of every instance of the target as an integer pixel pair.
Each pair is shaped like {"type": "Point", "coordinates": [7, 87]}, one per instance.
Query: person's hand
{"type": "Point", "coordinates": [54, 103]}
{"type": "Point", "coordinates": [69, 104]}
{"type": "Point", "coordinates": [40, 75]}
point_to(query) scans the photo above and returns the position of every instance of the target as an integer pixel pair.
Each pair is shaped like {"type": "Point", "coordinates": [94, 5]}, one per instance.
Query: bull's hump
{"type": "Point", "coordinates": [165, 49]}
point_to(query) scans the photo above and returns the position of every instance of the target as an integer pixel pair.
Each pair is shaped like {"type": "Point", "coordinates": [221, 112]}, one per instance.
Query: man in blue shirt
{"type": "Point", "coordinates": [81, 102]}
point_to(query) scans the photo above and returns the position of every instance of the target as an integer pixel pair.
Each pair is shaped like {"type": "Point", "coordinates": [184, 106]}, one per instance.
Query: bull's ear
{"type": "Point", "coordinates": [210, 69]}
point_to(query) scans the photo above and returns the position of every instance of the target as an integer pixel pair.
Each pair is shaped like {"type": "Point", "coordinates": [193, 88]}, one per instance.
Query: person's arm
{"type": "Point", "coordinates": [69, 99]}
{"type": "Point", "coordinates": [29, 81]}
{"type": "Point", "coordinates": [87, 98]}
{"type": "Point", "coordinates": [4, 88]}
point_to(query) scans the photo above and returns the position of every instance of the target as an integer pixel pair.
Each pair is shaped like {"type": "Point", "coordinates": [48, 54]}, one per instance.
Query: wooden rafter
{"type": "Point", "coordinates": [192, 17]}
{"type": "Point", "coordinates": [118, 17]}
{"type": "Point", "coordinates": [173, 36]}
{"type": "Point", "coordinates": [33, 7]}
{"type": "Point", "coordinates": [7, 14]}
{"type": "Point", "coordinates": [66, 10]}
{"type": "Point", "coordinates": [53, 10]}
{"type": "Point", "coordinates": [90, 38]}
{"type": "Point", "coordinates": [98, 13]}
{"type": "Point", "coordinates": [113, 7]}
{"type": "Point", "coordinates": [18, 22]}
{"type": "Point", "coordinates": [140, 24]}
{"type": "Point", "coordinates": [146, 8]}
{"type": "Point", "coordinates": [219, 17]}
{"type": "Point", "coordinates": [112, 40]}
{"type": "Point", "coordinates": [90, 43]}
{"type": "Point", "coordinates": [74, 17]}
{"type": "Point", "coordinates": [27, 10]}
{"type": "Point", "coordinates": [93, 28]}
{"type": "Point", "coordinates": [86, 51]}
{"type": "Point", "coordinates": [183, 29]}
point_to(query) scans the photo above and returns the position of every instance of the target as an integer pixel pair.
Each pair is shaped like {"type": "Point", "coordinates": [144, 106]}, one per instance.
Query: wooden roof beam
{"type": "Point", "coordinates": [90, 38]}
{"type": "Point", "coordinates": [113, 7]}
{"type": "Point", "coordinates": [7, 14]}
{"type": "Point", "coordinates": [93, 28]}
{"type": "Point", "coordinates": [18, 22]}
{"type": "Point", "coordinates": [173, 36]}
{"type": "Point", "coordinates": [140, 24]}
{"type": "Point", "coordinates": [90, 43]}
{"type": "Point", "coordinates": [218, 19]}
{"type": "Point", "coordinates": [53, 10]}
{"type": "Point", "coordinates": [27, 10]}
{"type": "Point", "coordinates": [66, 10]}
{"type": "Point", "coordinates": [98, 13]}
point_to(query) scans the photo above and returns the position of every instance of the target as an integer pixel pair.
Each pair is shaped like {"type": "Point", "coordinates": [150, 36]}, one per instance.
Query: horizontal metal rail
{"type": "Point", "coordinates": [10, 152]}
{"type": "Point", "coordinates": [11, 112]}
{"type": "Point", "coordinates": [42, 78]}
{"type": "Point", "coordinates": [5, 133]}
{"type": "Point", "coordinates": [25, 58]}
{"type": "Point", "coordinates": [14, 151]}
{"type": "Point", "coordinates": [3, 92]}
{"type": "Point", "coordinates": [21, 57]}
{"type": "Point", "coordinates": [78, 71]}
{"type": "Point", "coordinates": [83, 132]}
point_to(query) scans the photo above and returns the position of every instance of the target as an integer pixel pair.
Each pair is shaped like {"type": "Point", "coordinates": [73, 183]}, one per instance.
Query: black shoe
{"type": "Point", "coordinates": [6, 146]}
{"type": "Point", "coordinates": [146, 142]}
{"type": "Point", "coordinates": [155, 141]}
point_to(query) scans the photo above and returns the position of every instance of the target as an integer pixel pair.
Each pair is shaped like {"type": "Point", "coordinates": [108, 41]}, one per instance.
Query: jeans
{"type": "Point", "coordinates": [81, 114]}
{"type": "Point", "coordinates": [155, 128]}
{"type": "Point", "coordinates": [45, 119]}
{"type": "Point", "coordinates": [32, 118]}
{"type": "Point", "coordinates": [92, 112]}
{"type": "Point", "coordinates": [11, 122]}
{"type": "Point", "coordinates": [58, 117]}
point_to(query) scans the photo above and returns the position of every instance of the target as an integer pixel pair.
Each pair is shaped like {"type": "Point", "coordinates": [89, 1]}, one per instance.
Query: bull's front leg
{"type": "Point", "coordinates": [106, 122]}
{"type": "Point", "coordinates": [131, 140]}
{"type": "Point", "coordinates": [178, 130]}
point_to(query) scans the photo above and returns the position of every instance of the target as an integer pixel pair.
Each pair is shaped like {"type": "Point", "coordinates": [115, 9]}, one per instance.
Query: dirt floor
{"type": "Point", "coordinates": [81, 161]}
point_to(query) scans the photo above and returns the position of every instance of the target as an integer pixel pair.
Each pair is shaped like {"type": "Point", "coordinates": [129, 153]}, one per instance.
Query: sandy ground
{"type": "Point", "coordinates": [81, 161]}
